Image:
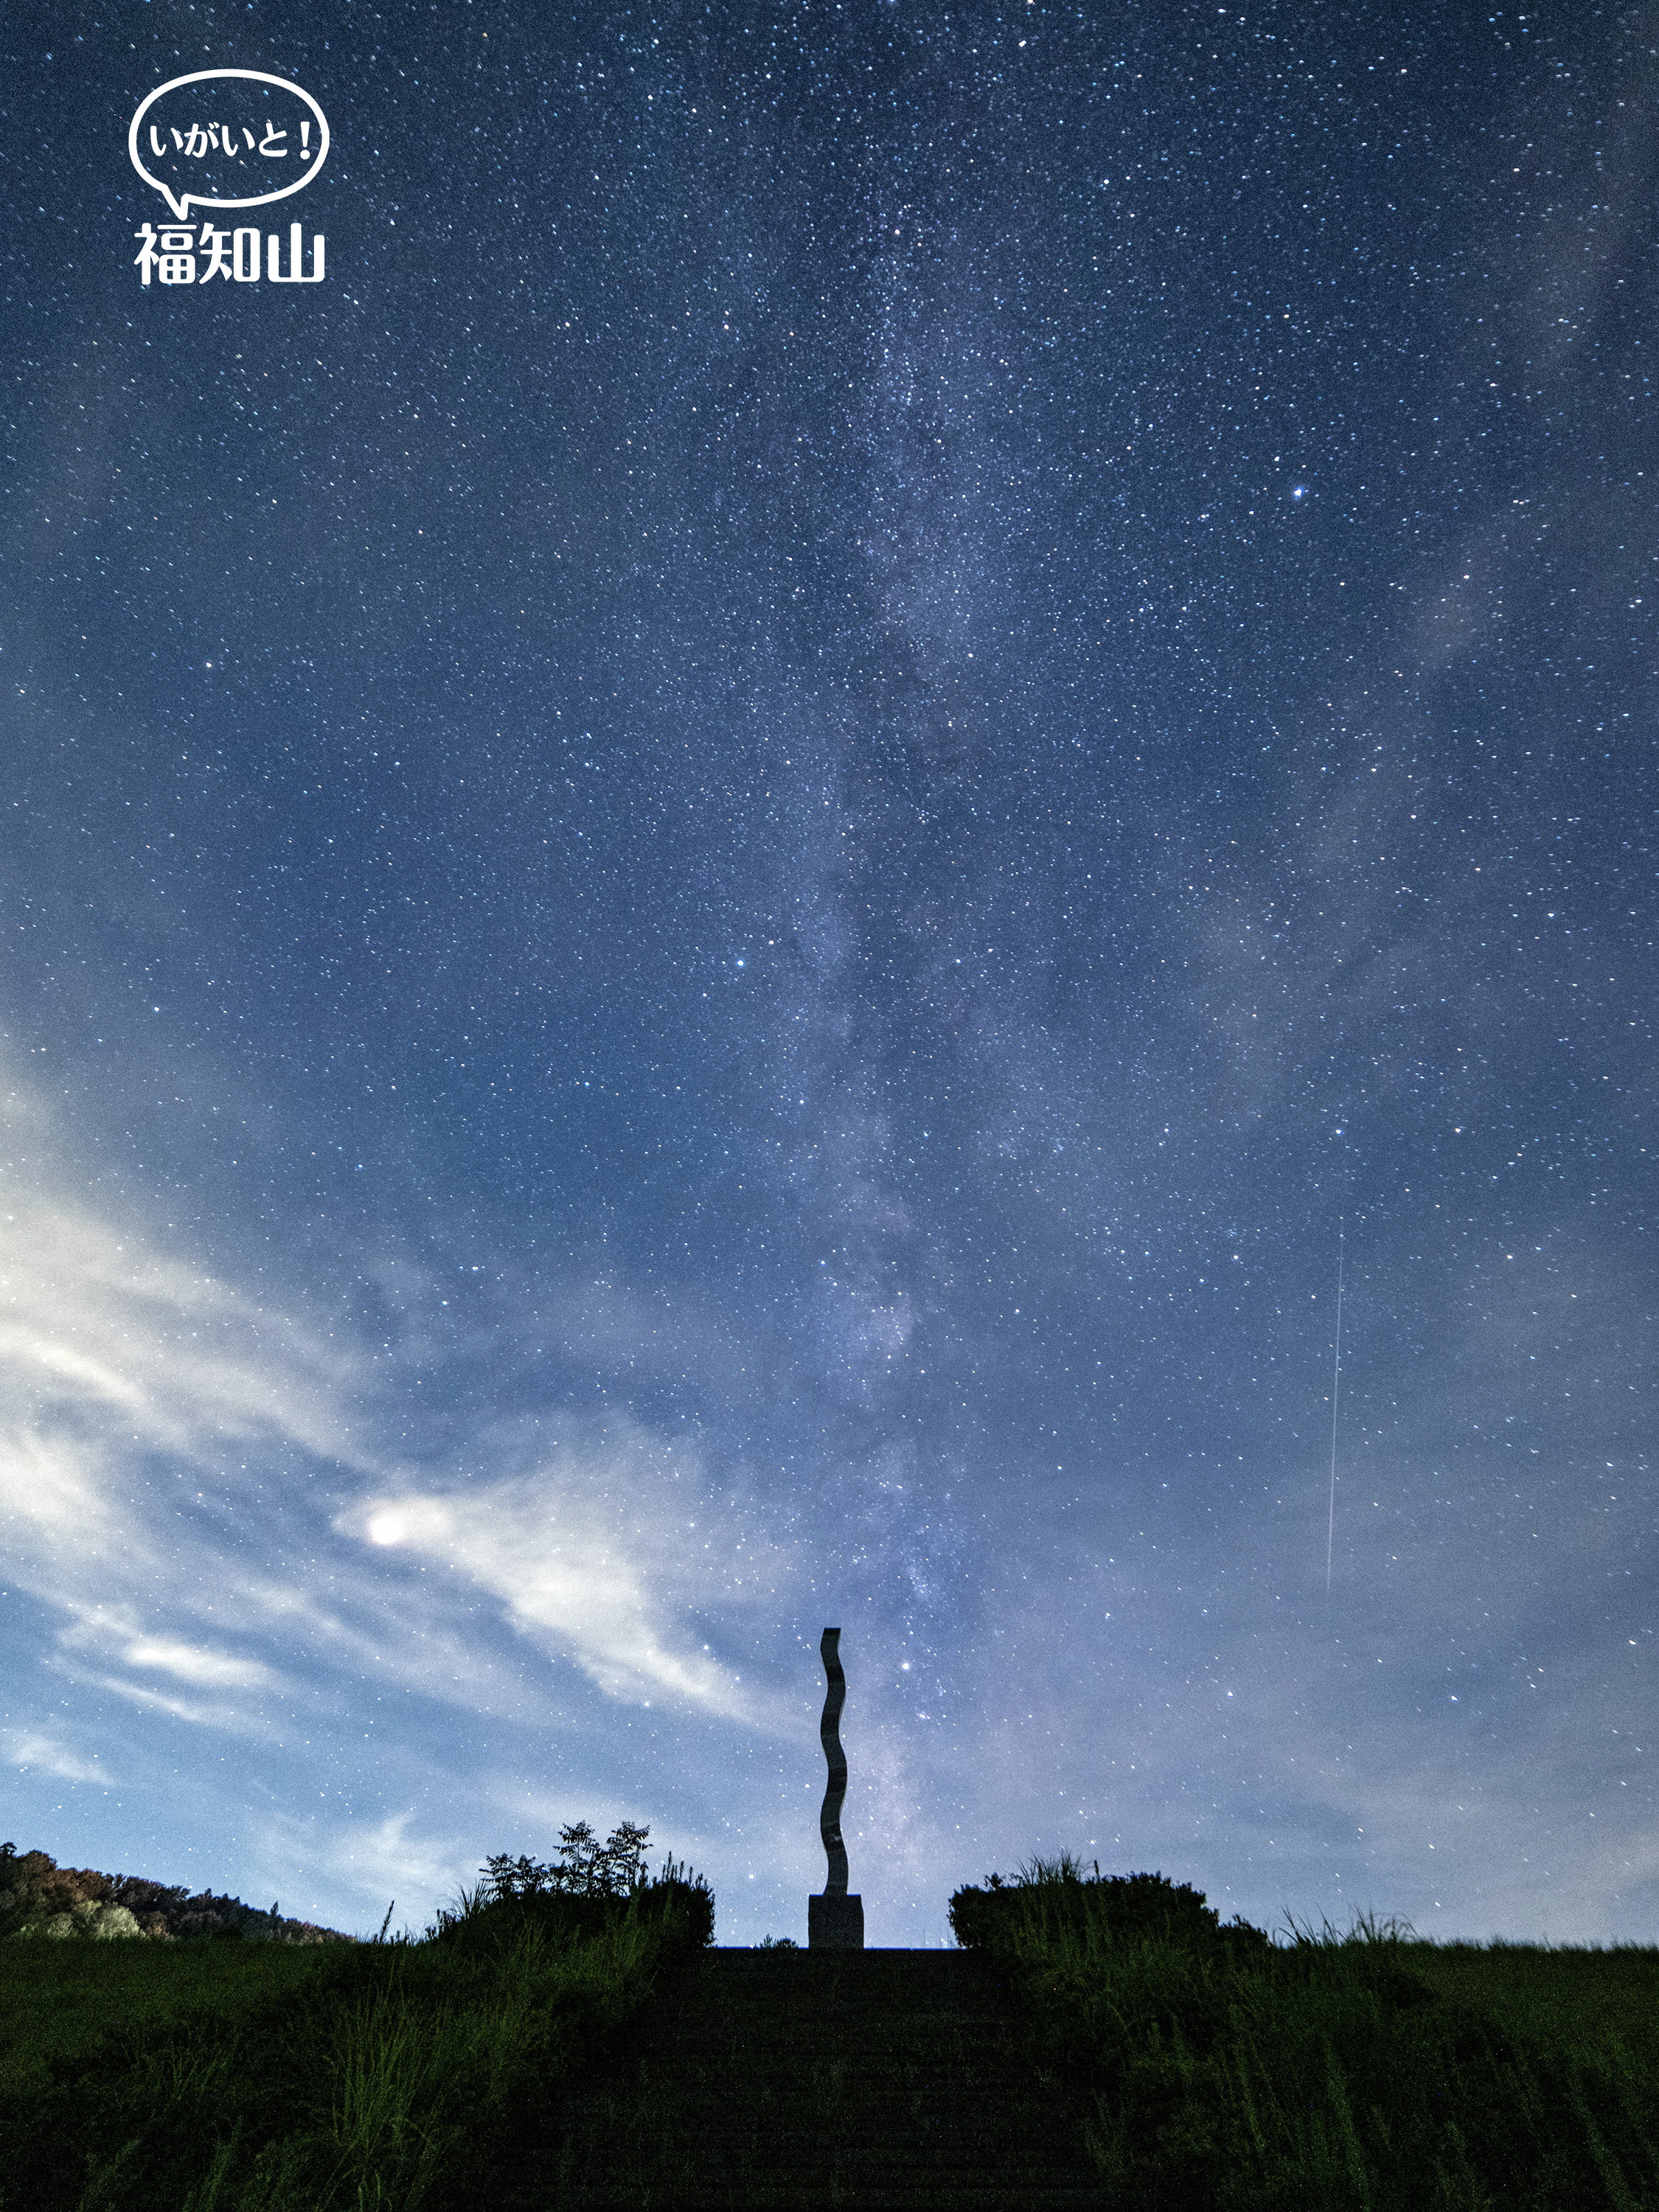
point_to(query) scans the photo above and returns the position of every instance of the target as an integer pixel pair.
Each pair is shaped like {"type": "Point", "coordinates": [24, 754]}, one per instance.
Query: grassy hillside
{"type": "Point", "coordinates": [1574, 1999]}
{"type": "Point", "coordinates": [209, 2076]}
{"type": "Point", "coordinates": [1361, 2071]}
{"type": "Point", "coordinates": [1205, 2066]}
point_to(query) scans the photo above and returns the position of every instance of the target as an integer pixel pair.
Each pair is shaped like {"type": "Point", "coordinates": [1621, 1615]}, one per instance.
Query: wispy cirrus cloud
{"type": "Point", "coordinates": [596, 1553]}
{"type": "Point", "coordinates": [137, 1392]}
{"type": "Point", "coordinates": [153, 1420]}
{"type": "Point", "coordinates": [48, 1754]}
{"type": "Point", "coordinates": [95, 1323]}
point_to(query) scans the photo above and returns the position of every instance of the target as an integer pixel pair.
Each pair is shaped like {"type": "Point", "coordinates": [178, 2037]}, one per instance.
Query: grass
{"type": "Point", "coordinates": [59, 2001]}
{"type": "Point", "coordinates": [1575, 1996]}
{"type": "Point", "coordinates": [1361, 2070]}
{"type": "Point", "coordinates": [239, 2077]}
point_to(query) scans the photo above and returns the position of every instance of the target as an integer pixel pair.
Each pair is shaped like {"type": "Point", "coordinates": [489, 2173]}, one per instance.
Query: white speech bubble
{"type": "Point", "coordinates": [181, 202]}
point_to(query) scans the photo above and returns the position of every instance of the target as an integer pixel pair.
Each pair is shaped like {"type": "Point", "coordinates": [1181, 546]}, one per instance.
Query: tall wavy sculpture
{"type": "Point", "coordinates": [835, 1922]}
{"type": "Point", "coordinates": [834, 1697]}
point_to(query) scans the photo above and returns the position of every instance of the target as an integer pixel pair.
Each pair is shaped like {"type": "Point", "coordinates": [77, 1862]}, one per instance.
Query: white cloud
{"type": "Point", "coordinates": [104, 1636]}
{"type": "Point", "coordinates": [595, 1555]}
{"type": "Point", "coordinates": [53, 1497]}
{"type": "Point", "coordinates": [142, 1405]}
{"type": "Point", "coordinates": [377, 1861]}
{"type": "Point", "coordinates": [124, 1372]}
{"type": "Point", "coordinates": [133, 1389]}
{"type": "Point", "coordinates": [191, 1664]}
{"type": "Point", "coordinates": [154, 1421]}
{"type": "Point", "coordinates": [99, 1329]}
{"type": "Point", "coordinates": [34, 1747]}
{"type": "Point", "coordinates": [177, 1709]}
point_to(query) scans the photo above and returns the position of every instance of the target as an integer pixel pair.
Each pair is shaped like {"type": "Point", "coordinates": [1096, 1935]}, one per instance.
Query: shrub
{"type": "Point", "coordinates": [1054, 1896]}
{"type": "Point", "coordinates": [100, 1923]}
{"type": "Point", "coordinates": [591, 1887]}
{"type": "Point", "coordinates": [685, 1908]}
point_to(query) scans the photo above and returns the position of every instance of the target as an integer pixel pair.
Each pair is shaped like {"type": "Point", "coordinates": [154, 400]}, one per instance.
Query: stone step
{"type": "Point", "coordinates": [954, 2194]}
{"type": "Point", "coordinates": [858, 2079]}
{"type": "Point", "coordinates": [894, 2192]}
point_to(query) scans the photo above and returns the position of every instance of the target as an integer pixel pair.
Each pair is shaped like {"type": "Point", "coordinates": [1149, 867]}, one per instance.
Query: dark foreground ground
{"type": "Point", "coordinates": [787, 2081]}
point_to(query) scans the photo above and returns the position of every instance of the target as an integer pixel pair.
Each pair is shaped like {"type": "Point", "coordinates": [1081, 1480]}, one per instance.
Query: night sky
{"type": "Point", "coordinates": [725, 883]}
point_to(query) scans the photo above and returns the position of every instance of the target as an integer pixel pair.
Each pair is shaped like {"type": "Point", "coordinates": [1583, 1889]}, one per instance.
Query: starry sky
{"type": "Point", "coordinates": [728, 881]}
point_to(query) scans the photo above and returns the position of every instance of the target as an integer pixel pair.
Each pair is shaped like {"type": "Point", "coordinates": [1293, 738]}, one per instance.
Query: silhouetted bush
{"type": "Point", "coordinates": [1054, 1896]}
{"type": "Point", "coordinates": [584, 1868]}
{"type": "Point", "coordinates": [482, 1922]}
{"type": "Point", "coordinates": [591, 1887]}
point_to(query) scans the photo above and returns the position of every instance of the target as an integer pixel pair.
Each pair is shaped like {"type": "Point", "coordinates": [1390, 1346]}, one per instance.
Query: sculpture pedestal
{"type": "Point", "coordinates": [835, 1922]}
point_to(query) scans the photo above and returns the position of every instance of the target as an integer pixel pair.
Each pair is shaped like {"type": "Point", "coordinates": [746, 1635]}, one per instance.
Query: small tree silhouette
{"type": "Point", "coordinates": [584, 1868]}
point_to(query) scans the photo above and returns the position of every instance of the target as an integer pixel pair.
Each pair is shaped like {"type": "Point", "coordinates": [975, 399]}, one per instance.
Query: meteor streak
{"type": "Point", "coordinates": [1336, 1379]}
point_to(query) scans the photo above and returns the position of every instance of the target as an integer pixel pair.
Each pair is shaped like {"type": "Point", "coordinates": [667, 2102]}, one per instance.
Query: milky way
{"type": "Point", "coordinates": [720, 877]}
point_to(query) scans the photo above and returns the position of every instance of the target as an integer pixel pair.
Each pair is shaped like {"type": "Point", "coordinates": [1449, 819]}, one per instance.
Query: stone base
{"type": "Point", "coordinates": [835, 1923]}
